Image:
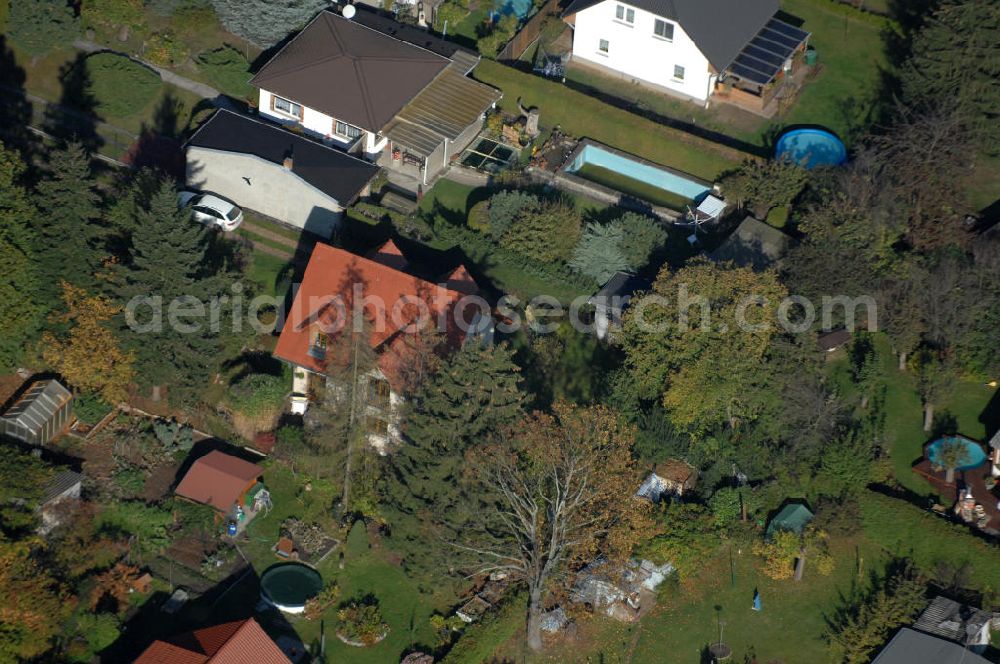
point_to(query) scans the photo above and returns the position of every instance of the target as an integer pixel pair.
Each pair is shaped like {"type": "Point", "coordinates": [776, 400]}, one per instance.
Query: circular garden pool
{"type": "Point", "coordinates": [288, 586]}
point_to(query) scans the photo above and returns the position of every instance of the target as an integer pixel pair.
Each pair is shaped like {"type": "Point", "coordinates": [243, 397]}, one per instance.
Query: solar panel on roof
{"type": "Point", "coordinates": [765, 55]}
{"type": "Point", "coordinates": [787, 29]}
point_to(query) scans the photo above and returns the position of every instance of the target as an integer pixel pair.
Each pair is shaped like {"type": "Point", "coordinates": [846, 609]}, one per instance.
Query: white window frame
{"type": "Point", "coordinates": [291, 107]}
{"type": "Point", "coordinates": [337, 124]}
{"type": "Point", "coordinates": [682, 70]}
{"type": "Point", "coordinates": [666, 24]}
{"type": "Point", "coordinates": [606, 46]}
{"type": "Point", "coordinates": [625, 15]}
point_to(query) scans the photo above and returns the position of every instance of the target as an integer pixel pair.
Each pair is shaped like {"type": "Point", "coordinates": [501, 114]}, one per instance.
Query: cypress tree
{"type": "Point", "coordinates": [68, 233]}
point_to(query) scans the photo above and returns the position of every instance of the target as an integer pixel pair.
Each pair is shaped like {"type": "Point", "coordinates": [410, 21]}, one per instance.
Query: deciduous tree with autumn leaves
{"type": "Point", "coordinates": [89, 355]}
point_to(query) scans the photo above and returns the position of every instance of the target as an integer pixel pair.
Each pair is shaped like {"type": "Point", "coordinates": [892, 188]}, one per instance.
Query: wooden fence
{"type": "Point", "coordinates": [529, 33]}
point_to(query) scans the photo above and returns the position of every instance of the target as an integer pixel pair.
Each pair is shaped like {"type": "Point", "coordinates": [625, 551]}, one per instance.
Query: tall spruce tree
{"type": "Point", "coordinates": [20, 312]}
{"type": "Point", "coordinates": [68, 229]}
{"type": "Point", "coordinates": [955, 62]}
{"type": "Point", "coordinates": [171, 261]}
{"type": "Point", "coordinates": [474, 394]}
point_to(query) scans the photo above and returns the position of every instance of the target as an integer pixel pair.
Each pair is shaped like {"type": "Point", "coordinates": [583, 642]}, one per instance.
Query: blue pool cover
{"type": "Point", "coordinates": [974, 453]}
{"type": "Point", "coordinates": [637, 170]}
{"type": "Point", "coordinates": [811, 148]}
{"type": "Point", "coordinates": [519, 8]}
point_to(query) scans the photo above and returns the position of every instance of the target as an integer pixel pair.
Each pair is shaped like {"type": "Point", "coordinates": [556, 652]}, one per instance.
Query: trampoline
{"type": "Point", "coordinates": [811, 148]}
{"type": "Point", "coordinates": [288, 586]}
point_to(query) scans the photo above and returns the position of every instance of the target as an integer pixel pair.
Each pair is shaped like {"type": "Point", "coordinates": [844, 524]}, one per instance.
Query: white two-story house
{"type": "Point", "coordinates": [690, 48]}
{"type": "Point", "coordinates": [390, 93]}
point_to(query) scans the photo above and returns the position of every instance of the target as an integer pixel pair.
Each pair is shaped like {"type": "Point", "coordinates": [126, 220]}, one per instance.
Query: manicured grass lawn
{"type": "Point", "coordinates": [853, 56]}
{"type": "Point", "coordinates": [268, 271]}
{"type": "Point", "coordinates": [790, 628]}
{"type": "Point", "coordinates": [632, 187]}
{"type": "Point", "coordinates": [583, 116]}
{"type": "Point", "coordinates": [367, 570]}
{"type": "Point", "coordinates": [904, 414]}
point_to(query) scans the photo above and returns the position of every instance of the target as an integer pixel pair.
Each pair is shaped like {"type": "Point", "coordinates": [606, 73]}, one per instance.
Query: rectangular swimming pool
{"type": "Point", "coordinates": [594, 158]}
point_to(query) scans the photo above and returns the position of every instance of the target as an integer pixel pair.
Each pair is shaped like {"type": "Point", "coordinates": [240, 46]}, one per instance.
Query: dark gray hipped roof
{"type": "Point", "coordinates": [910, 647]}
{"type": "Point", "coordinates": [38, 405]}
{"type": "Point", "coordinates": [335, 173]}
{"type": "Point", "coordinates": [349, 71]}
{"type": "Point", "coordinates": [720, 28]}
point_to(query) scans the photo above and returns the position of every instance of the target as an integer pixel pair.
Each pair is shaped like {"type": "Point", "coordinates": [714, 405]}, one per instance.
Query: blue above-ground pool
{"type": "Point", "coordinates": [811, 148]}
{"type": "Point", "coordinates": [519, 8]}
{"type": "Point", "coordinates": [975, 454]}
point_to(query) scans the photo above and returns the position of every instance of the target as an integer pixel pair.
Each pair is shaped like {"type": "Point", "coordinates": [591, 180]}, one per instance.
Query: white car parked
{"type": "Point", "coordinates": [211, 210]}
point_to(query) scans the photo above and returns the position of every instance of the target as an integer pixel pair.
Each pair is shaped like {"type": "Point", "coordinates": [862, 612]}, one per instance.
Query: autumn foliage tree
{"type": "Point", "coordinates": [89, 356]}
{"type": "Point", "coordinates": [557, 489]}
{"type": "Point", "coordinates": [702, 344]}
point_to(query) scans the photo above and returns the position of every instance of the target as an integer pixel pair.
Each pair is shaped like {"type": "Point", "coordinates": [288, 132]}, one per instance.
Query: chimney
{"type": "Point", "coordinates": [288, 163]}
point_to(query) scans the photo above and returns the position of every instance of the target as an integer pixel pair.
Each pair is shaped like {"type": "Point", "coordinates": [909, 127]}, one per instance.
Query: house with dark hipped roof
{"type": "Point", "coordinates": [736, 50]}
{"type": "Point", "coordinates": [238, 642]}
{"type": "Point", "coordinates": [398, 306]}
{"type": "Point", "coordinates": [392, 94]}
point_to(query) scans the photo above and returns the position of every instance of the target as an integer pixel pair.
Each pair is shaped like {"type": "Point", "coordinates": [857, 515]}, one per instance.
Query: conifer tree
{"type": "Point", "coordinates": [474, 394]}
{"type": "Point", "coordinates": [265, 22]}
{"type": "Point", "coordinates": [170, 260]}
{"type": "Point", "coordinates": [68, 232]}
{"type": "Point", "coordinates": [20, 312]}
{"type": "Point", "coordinates": [955, 61]}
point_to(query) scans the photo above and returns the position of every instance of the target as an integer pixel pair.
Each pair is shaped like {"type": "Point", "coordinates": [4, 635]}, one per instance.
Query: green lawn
{"type": "Point", "coordinates": [905, 436]}
{"type": "Point", "coordinates": [403, 606]}
{"type": "Point", "coordinates": [852, 53]}
{"type": "Point", "coordinates": [790, 628]}
{"type": "Point", "coordinates": [584, 116]}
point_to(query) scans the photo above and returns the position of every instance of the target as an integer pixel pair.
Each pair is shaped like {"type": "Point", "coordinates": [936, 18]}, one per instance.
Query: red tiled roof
{"type": "Point", "coordinates": [390, 256]}
{"type": "Point", "coordinates": [460, 280]}
{"type": "Point", "coordinates": [327, 292]}
{"type": "Point", "coordinates": [240, 642]}
{"type": "Point", "coordinates": [218, 479]}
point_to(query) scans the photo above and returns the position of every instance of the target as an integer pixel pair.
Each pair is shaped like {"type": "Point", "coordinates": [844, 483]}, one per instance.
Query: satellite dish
{"type": "Point", "coordinates": [348, 11]}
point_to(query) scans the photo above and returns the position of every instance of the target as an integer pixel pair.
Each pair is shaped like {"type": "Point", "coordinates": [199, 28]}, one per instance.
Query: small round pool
{"type": "Point", "coordinates": [288, 586]}
{"type": "Point", "coordinates": [811, 148]}
{"type": "Point", "coordinates": [975, 455]}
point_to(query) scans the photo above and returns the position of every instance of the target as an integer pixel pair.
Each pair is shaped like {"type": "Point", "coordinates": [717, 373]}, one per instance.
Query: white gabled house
{"type": "Point", "coordinates": [690, 48]}
{"type": "Point", "coordinates": [387, 92]}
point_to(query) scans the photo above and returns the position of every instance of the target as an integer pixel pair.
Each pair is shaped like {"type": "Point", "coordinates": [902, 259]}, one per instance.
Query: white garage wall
{"type": "Point", "coordinates": [260, 185]}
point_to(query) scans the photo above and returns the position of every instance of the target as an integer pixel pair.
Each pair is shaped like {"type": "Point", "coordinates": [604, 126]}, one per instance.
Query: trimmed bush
{"type": "Point", "coordinates": [256, 402]}
{"type": "Point", "coordinates": [228, 70]}
{"type": "Point", "coordinates": [120, 86]}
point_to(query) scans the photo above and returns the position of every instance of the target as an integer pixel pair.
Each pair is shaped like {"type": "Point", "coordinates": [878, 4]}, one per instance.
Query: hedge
{"type": "Point", "coordinates": [120, 86]}
{"type": "Point", "coordinates": [905, 530]}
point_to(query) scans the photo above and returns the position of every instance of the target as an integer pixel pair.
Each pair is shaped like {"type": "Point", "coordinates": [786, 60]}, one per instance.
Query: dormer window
{"type": "Point", "coordinates": [625, 14]}
{"type": "Point", "coordinates": [318, 345]}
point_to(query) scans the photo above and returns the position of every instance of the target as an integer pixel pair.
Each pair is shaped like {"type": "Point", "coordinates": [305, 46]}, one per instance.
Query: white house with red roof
{"type": "Point", "coordinates": [400, 310]}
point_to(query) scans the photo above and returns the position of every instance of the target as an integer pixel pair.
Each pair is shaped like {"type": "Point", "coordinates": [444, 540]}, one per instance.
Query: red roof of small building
{"type": "Point", "coordinates": [239, 642]}
{"type": "Point", "coordinates": [389, 297]}
{"type": "Point", "coordinates": [218, 479]}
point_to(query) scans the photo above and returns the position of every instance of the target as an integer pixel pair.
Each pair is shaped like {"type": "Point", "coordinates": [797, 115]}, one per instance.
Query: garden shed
{"type": "Point", "coordinates": [793, 517]}
{"type": "Point", "coordinates": [41, 414]}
